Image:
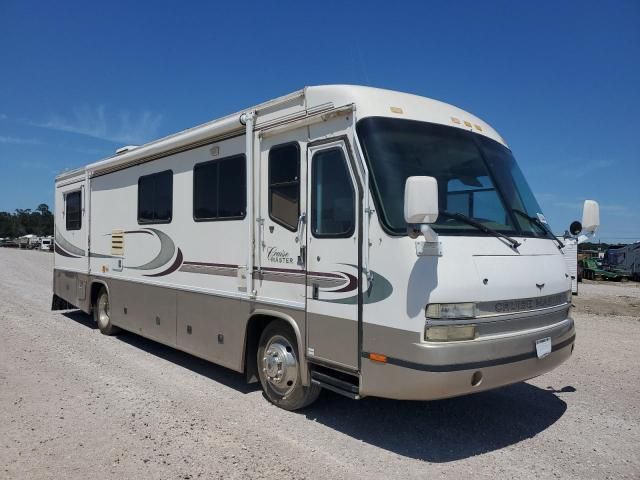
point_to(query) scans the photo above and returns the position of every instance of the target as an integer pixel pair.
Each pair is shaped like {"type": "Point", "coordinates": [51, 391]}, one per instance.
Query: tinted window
{"type": "Point", "coordinates": [333, 197]}
{"type": "Point", "coordinates": [155, 197]}
{"type": "Point", "coordinates": [284, 185]}
{"type": "Point", "coordinates": [219, 189]}
{"type": "Point", "coordinates": [73, 210]}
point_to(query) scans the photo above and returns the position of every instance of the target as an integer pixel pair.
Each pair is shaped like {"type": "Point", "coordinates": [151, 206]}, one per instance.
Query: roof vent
{"type": "Point", "coordinates": [125, 149]}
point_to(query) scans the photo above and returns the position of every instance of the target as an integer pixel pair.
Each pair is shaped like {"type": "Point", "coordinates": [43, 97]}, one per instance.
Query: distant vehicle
{"type": "Point", "coordinates": [625, 260]}
{"type": "Point", "coordinates": [46, 244]}
{"type": "Point", "coordinates": [369, 242]}
{"type": "Point", "coordinates": [594, 269]}
{"type": "Point", "coordinates": [28, 242]}
{"type": "Point", "coordinates": [9, 243]}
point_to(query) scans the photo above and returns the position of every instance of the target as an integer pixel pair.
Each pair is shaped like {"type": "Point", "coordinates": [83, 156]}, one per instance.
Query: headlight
{"type": "Point", "coordinates": [450, 333]}
{"type": "Point", "coordinates": [450, 310]}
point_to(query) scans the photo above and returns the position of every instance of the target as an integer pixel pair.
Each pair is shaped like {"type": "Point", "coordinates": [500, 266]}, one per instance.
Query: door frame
{"type": "Point", "coordinates": [359, 197]}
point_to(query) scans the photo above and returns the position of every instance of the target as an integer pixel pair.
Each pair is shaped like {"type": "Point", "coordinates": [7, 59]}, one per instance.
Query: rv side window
{"type": "Point", "coordinates": [284, 185]}
{"type": "Point", "coordinates": [155, 198]}
{"type": "Point", "coordinates": [73, 210]}
{"type": "Point", "coordinates": [219, 189]}
{"type": "Point", "coordinates": [332, 198]}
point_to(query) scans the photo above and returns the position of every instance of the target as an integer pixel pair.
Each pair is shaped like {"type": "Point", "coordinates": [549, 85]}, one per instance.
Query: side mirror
{"type": "Point", "coordinates": [575, 228]}
{"type": "Point", "coordinates": [421, 200]}
{"type": "Point", "coordinates": [590, 216]}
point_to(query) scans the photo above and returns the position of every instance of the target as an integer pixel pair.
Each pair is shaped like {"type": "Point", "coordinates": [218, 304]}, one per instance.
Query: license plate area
{"type": "Point", "coordinates": [543, 347]}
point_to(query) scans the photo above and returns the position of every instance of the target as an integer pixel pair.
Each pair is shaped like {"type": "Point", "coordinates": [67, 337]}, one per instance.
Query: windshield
{"type": "Point", "coordinates": [477, 176]}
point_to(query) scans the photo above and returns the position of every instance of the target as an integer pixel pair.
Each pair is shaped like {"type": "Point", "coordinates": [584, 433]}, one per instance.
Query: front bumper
{"type": "Point", "coordinates": [431, 371]}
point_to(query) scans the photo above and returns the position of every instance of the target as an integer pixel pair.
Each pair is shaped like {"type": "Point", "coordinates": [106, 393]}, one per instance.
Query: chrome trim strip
{"type": "Point", "coordinates": [499, 317]}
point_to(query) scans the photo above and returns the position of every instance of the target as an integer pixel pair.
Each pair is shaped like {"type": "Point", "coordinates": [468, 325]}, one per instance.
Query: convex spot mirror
{"type": "Point", "coordinates": [590, 216]}
{"type": "Point", "coordinates": [575, 228]}
{"type": "Point", "coordinates": [421, 200]}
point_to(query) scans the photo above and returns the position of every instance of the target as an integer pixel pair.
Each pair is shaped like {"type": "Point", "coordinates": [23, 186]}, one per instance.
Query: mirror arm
{"type": "Point", "coordinates": [428, 233]}
{"type": "Point", "coordinates": [414, 230]}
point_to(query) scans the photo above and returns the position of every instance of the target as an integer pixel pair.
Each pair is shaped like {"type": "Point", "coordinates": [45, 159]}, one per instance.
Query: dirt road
{"type": "Point", "coordinates": [77, 404]}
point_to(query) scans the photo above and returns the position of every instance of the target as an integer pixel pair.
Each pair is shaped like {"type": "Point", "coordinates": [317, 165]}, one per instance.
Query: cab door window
{"type": "Point", "coordinates": [333, 197]}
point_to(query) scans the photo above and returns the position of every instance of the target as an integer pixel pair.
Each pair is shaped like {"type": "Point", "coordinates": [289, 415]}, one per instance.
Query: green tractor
{"type": "Point", "coordinates": [592, 270]}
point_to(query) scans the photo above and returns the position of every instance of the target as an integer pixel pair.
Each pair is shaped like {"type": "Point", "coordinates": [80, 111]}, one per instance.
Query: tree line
{"type": "Point", "coordinates": [22, 222]}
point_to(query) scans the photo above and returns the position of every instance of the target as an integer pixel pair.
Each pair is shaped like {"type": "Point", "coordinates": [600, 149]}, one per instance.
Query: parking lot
{"type": "Point", "coordinates": [77, 404]}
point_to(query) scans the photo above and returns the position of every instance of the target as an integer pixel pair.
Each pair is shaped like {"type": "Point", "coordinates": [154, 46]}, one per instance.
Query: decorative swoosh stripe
{"type": "Point", "coordinates": [175, 266]}
{"type": "Point", "coordinates": [67, 245]}
{"type": "Point", "coordinates": [101, 255]}
{"type": "Point", "coordinates": [210, 269]}
{"type": "Point", "coordinates": [324, 280]}
{"type": "Point", "coordinates": [58, 249]}
{"type": "Point", "coordinates": [379, 289]}
{"type": "Point", "coordinates": [167, 250]}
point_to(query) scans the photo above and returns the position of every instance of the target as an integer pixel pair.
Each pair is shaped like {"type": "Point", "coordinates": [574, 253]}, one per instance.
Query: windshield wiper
{"type": "Point", "coordinates": [470, 221]}
{"type": "Point", "coordinates": [537, 222]}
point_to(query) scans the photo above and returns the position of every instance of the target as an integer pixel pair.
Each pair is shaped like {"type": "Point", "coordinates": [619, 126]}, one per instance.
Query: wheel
{"type": "Point", "coordinates": [279, 369]}
{"type": "Point", "coordinates": [101, 314]}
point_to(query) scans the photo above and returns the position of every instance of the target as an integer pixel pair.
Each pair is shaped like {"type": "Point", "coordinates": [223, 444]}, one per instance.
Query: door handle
{"type": "Point", "coordinates": [302, 220]}
{"type": "Point", "coordinates": [302, 258]}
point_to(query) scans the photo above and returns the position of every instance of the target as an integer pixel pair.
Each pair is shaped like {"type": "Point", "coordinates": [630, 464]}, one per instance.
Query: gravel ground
{"type": "Point", "coordinates": [77, 404]}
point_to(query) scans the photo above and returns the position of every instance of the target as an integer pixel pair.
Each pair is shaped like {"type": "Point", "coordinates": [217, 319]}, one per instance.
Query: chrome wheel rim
{"type": "Point", "coordinates": [103, 311]}
{"type": "Point", "coordinates": [279, 365]}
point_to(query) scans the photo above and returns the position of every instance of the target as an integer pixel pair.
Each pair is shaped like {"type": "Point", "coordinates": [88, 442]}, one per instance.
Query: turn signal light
{"type": "Point", "coordinates": [378, 357]}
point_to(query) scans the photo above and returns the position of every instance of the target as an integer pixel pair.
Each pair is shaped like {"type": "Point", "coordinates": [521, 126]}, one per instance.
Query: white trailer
{"type": "Point", "coordinates": [361, 240]}
{"type": "Point", "coordinates": [627, 258]}
{"type": "Point", "coordinates": [46, 244]}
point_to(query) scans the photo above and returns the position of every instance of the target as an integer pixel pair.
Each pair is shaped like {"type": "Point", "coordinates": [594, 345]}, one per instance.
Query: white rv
{"type": "Point", "coordinates": [46, 244]}
{"type": "Point", "coordinates": [361, 240]}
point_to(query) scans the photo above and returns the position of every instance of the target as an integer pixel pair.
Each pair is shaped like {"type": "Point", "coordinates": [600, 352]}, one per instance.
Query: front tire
{"type": "Point", "coordinates": [279, 369]}
{"type": "Point", "coordinates": [102, 314]}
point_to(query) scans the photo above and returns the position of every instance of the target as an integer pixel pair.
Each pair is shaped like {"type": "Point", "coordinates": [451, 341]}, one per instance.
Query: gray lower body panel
{"type": "Point", "coordinates": [428, 370]}
{"type": "Point", "coordinates": [214, 328]}
{"type": "Point", "coordinates": [208, 326]}
{"type": "Point", "coordinates": [72, 287]}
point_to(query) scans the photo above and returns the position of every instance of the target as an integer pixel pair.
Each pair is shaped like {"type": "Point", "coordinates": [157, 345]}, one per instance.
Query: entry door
{"type": "Point", "coordinates": [282, 206]}
{"type": "Point", "coordinates": [333, 278]}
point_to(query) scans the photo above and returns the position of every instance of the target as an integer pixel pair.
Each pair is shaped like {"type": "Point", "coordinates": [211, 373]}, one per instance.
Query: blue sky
{"type": "Point", "coordinates": [559, 80]}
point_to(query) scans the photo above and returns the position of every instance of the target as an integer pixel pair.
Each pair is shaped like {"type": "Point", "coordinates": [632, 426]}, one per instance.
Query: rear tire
{"type": "Point", "coordinates": [279, 369]}
{"type": "Point", "coordinates": [102, 314]}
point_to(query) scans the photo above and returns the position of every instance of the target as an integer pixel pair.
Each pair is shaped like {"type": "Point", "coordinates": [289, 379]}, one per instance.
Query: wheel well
{"type": "Point", "coordinates": [95, 289]}
{"type": "Point", "coordinates": [255, 327]}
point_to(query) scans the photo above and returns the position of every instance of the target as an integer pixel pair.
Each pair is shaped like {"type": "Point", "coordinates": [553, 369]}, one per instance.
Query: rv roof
{"type": "Point", "coordinates": [369, 102]}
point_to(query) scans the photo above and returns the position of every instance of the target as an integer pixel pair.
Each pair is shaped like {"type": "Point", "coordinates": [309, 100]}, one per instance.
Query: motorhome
{"type": "Point", "coordinates": [365, 241]}
{"type": "Point", "coordinates": [46, 243]}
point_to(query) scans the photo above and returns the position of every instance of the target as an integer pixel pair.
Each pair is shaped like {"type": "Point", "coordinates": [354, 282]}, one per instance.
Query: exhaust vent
{"type": "Point", "coordinates": [117, 243]}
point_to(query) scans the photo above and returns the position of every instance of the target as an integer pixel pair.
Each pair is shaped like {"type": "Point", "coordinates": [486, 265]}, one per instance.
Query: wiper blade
{"type": "Point", "coordinates": [470, 221]}
{"type": "Point", "coordinates": [536, 221]}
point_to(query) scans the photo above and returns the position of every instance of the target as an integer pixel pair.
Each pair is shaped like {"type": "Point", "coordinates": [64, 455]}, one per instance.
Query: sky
{"type": "Point", "coordinates": [560, 81]}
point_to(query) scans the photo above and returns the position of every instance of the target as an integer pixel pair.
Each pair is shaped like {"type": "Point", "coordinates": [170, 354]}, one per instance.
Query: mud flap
{"type": "Point", "coordinates": [58, 303]}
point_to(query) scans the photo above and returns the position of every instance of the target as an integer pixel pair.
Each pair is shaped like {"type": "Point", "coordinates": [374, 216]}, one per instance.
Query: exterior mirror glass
{"type": "Point", "coordinates": [590, 216]}
{"type": "Point", "coordinates": [575, 228]}
{"type": "Point", "coordinates": [421, 200]}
